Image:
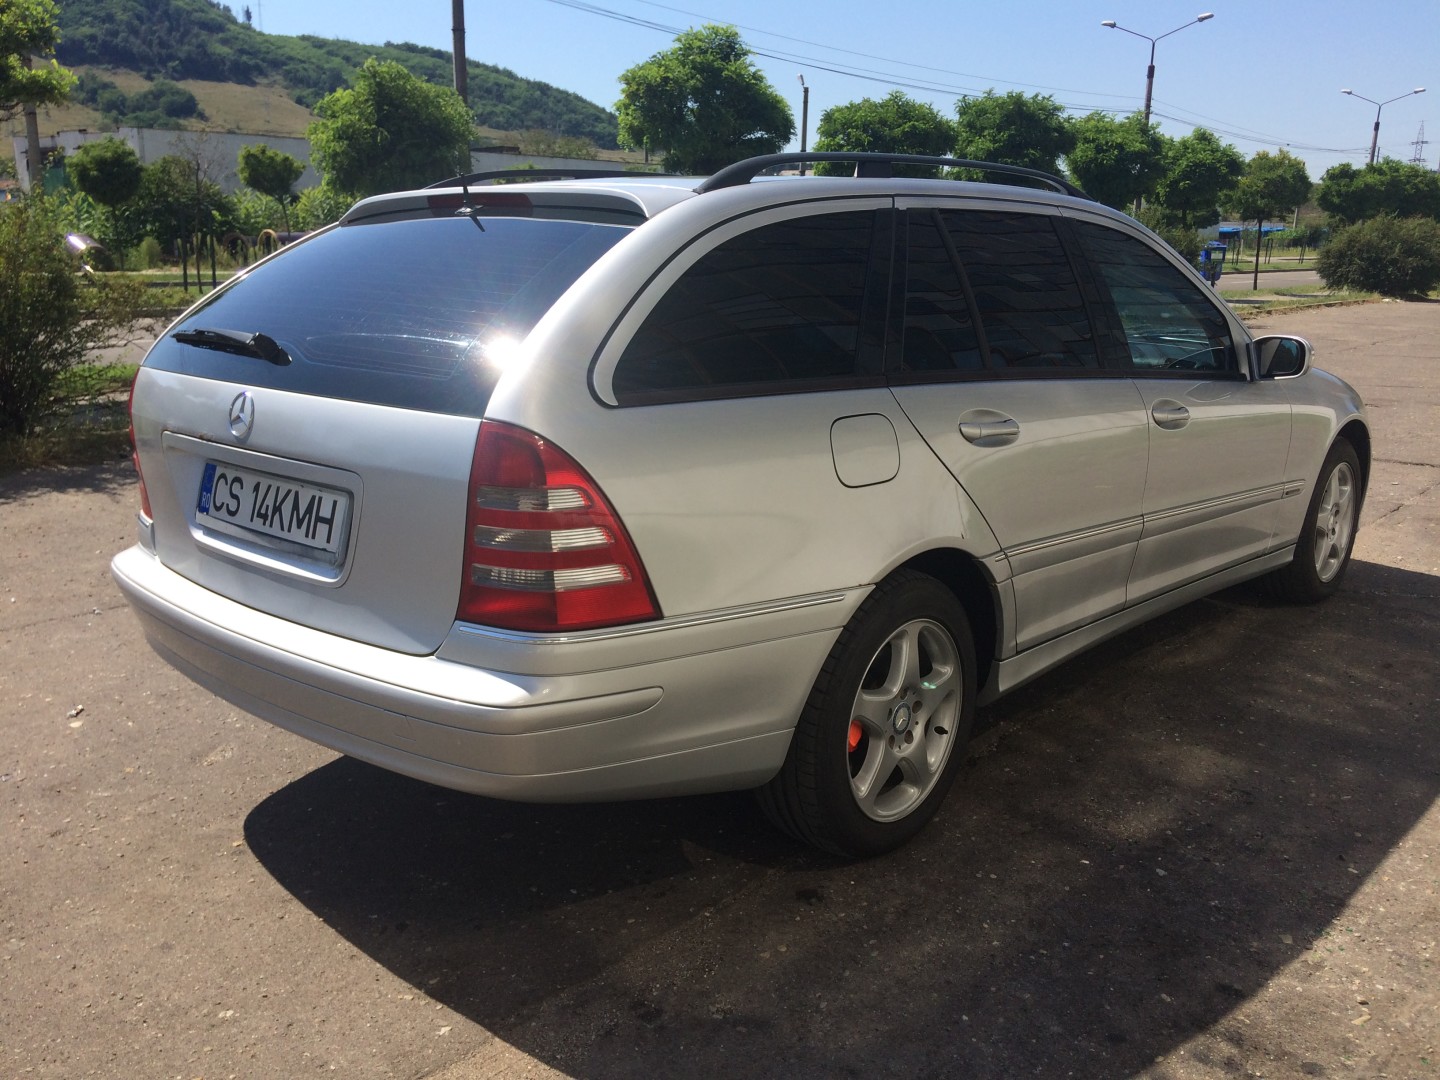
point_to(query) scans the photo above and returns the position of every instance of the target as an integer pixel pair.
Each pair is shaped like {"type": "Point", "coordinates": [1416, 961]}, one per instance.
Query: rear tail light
{"type": "Point", "coordinates": [135, 454]}
{"type": "Point", "coordinates": [544, 550]}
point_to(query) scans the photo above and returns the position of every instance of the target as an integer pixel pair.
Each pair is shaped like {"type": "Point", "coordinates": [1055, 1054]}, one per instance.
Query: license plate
{"type": "Point", "coordinates": [240, 501]}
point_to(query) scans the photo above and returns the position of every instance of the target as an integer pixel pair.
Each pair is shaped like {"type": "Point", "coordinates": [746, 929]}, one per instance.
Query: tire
{"type": "Point", "coordinates": [1322, 553]}
{"type": "Point", "coordinates": [883, 732]}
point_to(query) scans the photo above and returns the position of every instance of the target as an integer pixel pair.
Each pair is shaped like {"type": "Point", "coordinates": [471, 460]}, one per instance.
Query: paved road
{"type": "Point", "coordinates": [1274, 279]}
{"type": "Point", "coordinates": [1209, 849]}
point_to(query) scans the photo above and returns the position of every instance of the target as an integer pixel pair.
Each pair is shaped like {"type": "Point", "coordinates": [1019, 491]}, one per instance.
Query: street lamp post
{"type": "Point", "coordinates": [1375, 134]}
{"type": "Point", "coordinates": [804, 116]}
{"type": "Point", "coordinates": [1150, 71]}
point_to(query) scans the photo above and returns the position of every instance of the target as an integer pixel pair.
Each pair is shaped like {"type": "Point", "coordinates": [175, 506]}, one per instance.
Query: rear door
{"type": "Point", "coordinates": [999, 368]}
{"type": "Point", "coordinates": [319, 471]}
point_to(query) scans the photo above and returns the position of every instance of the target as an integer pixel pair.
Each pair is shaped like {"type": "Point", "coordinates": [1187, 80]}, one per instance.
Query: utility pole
{"type": "Point", "coordinates": [457, 18]}
{"type": "Point", "coordinates": [804, 116]}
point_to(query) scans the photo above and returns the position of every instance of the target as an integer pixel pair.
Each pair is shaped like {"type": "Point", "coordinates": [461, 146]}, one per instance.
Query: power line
{"type": "Point", "coordinates": [891, 79]}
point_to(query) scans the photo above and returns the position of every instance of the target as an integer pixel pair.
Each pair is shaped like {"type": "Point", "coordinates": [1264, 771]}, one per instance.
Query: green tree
{"type": "Point", "coordinates": [1385, 255]}
{"type": "Point", "coordinates": [896, 124]}
{"type": "Point", "coordinates": [1392, 187]}
{"type": "Point", "coordinates": [1198, 171]}
{"type": "Point", "coordinates": [702, 103]}
{"type": "Point", "coordinates": [1118, 162]}
{"type": "Point", "coordinates": [1013, 129]}
{"type": "Point", "coordinates": [109, 171]}
{"type": "Point", "coordinates": [50, 319]}
{"type": "Point", "coordinates": [272, 173]}
{"type": "Point", "coordinates": [1272, 185]}
{"type": "Point", "coordinates": [28, 28]}
{"type": "Point", "coordinates": [389, 132]}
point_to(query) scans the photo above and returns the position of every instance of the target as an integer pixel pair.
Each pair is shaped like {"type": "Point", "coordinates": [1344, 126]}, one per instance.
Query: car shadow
{"type": "Point", "coordinates": [1140, 841]}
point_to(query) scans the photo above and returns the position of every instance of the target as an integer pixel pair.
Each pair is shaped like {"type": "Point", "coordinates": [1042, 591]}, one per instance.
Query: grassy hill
{"type": "Point", "coordinates": [247, 80]}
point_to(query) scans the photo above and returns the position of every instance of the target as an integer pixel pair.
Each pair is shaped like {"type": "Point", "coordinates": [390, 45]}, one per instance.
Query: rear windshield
{"type": "Point", "coordinates": [414, 313]}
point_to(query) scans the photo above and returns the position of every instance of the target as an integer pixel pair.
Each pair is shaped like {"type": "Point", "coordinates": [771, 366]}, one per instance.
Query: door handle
{"type": "Point", "coordinates": [1169, 415]}
{"type": "Point", "coordinates": [999, 432]}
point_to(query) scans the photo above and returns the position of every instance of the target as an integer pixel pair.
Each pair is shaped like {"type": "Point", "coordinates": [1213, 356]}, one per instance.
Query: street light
{"type": "Point", "coordinates": [804, 116]}
{"type": "Point", "coordinates": [1375, 135]}
{"type": "Point", "coordinates": [1150, 72]}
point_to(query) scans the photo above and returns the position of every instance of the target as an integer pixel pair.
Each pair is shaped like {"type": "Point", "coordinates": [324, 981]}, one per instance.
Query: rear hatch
{"type": "Point", "coordinates": [306, 435]}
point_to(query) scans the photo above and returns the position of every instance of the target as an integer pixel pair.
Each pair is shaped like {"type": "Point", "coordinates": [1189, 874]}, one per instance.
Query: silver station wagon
{"type": "Point", "coordinates": [618, 487]}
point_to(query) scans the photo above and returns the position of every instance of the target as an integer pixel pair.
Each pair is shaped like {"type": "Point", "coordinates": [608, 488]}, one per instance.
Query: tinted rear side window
{"type": "Point", "coordinates": [1027, 295]}
{"type": "Point", "coordinates": [410, 313]}
{"type": "Point", "coordinates": [939, 336]}
{"type": "Point", "coordinates": [779, 307]}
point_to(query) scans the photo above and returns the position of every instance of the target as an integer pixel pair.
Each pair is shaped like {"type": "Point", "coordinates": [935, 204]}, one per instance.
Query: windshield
{"type": "Point", "coordinates": [414, 313]}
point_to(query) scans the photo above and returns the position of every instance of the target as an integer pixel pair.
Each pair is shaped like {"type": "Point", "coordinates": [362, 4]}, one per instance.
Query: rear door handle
{"type": "Point", "coordinates": [1169, 415]}
{"type": "Point", "coordinates": [998, 432]}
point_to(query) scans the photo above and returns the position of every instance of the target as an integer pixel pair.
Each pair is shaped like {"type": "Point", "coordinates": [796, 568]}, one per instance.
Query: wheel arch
{"type": "Point", "coordinates": [1358, 436]}
{"type": "Point", "coordinates": [962, 574]}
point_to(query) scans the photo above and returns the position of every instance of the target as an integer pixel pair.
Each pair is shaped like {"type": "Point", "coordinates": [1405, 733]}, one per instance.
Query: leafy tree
{"type": "Point", "coordinates": [29, 28]}
{"type": "Point", "coordinates": [1198, 172]}
{"type": "Point", "coordinates": [1013, 129]}
{"type": "Point", "coordinates": [391, 131]}
{"type": "Point", "coordinates": [703, 103]}
{"type": "Point", "coordinates": [1389, 255]}
{"type": "Point", "coordinates": [1391, 187]}
{"type": "Point", "coordinates": [272, 173]}
{"type": "Point", "coordinates": [1118, 162]}
{"type": "Point", "coordinates": [109, 171]}
{"type": "Point", "coordinates": [50, 320]}
{"type": "Point", "coordinates": [1271, 185]}
{"type": "Point", "coordinates": [896, 124]}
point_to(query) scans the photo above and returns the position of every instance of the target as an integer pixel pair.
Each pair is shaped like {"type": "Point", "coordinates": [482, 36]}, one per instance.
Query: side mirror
{"type": "Point", "coordinates": [1279, 357]}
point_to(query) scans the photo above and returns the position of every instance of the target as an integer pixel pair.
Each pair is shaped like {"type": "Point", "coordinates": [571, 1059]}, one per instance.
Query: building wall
{"type": "Point", "coordinates": [218, 153]}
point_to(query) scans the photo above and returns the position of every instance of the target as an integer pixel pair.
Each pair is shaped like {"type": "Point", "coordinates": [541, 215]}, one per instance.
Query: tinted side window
{"type": "Point", "coordinates": [939, 334]}
{"type": "Point", "coordinates": [1170, 323]}
{"type": "Point", "coordinates": [778, 307]}
{"type": "Point", "coordinates": [1029, 301]}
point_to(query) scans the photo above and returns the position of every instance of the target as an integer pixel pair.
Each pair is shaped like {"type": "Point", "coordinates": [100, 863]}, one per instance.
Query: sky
{"type": "Point", "coordinates": [1263, 74]}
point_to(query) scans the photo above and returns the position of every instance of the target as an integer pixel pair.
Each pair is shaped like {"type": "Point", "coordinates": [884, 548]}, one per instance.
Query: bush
{"type": "Point", "coordinates": [51, 318]}
{"type": "Point", "coordinates": [149, 255]}
{"type": "Point", "coordinates": [1185, 241]}
{"type": "Point", "coordinates": [1395, 256]}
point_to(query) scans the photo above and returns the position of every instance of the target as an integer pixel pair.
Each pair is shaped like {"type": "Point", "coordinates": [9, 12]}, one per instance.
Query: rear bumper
{"type": "Point", "coordinates": [681, 706]}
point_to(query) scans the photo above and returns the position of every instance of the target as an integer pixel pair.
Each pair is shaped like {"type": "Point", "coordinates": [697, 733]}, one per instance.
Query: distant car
{"type": "Point", "coordinates": [610, 488]}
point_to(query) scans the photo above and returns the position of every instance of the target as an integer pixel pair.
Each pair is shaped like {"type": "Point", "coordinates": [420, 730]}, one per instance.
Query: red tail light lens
{"type": "Point", "coordinates": [544, 550]}
{"type": "Point", "coordinates": [135, 453]}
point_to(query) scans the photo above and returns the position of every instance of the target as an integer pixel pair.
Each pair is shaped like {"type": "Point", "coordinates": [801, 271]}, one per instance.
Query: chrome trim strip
{"type": "Point", "coordinates": [1073, 537]}
{"type": "Point", "coordinates": [680, 622]}
{"type": "Point", "coordinates": [1252, 497]}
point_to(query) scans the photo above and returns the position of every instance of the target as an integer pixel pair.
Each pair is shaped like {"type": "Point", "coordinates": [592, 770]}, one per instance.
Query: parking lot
{"type": "Point", "coordinates": [1210, 847]}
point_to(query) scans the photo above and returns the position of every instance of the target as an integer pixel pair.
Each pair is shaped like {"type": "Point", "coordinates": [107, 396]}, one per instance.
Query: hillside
{"type": "Point", "coordinates": [200, 41]}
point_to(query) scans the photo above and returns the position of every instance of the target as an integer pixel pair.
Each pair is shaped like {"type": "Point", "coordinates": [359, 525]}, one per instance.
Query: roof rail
{"type": "Point", "coordinates": [877, 165]}
{"type": "Point", "coordinates": [535, 174]}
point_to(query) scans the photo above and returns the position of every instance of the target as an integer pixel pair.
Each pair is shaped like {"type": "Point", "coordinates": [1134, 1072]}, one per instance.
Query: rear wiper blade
{"type": "Point", "coordinates": [260, 346]}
